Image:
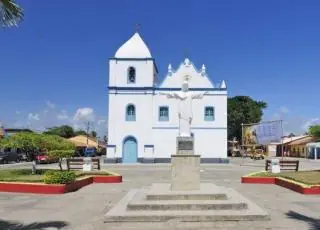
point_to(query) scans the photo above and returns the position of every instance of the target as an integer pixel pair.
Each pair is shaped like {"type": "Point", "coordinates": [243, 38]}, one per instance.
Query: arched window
{"type": "Point", "coordinates": [131, 113]}
{"type": "Point", "coordinates": [131, 75]}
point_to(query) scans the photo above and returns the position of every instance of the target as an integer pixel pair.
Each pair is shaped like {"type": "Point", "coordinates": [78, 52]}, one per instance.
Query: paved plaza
{"type": "Point", "coordinates": [85, 209]}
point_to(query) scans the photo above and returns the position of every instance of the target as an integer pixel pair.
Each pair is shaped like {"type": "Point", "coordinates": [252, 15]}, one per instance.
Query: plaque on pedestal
{"type": "Point", "coordinates": [185, 145]}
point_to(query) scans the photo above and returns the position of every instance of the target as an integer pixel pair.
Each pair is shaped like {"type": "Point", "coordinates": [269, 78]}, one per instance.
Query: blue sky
{"type": "Point", "coordinates": [54, 67]}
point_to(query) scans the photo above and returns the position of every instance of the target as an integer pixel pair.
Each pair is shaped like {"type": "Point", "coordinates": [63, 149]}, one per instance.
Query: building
{"type": "Point", "coordinates": [82, 142]}
{"type": "Point", "coordinates": [294, 146]}
{"type": "Point", "coordinates": [143, 125]}
{"type": "Point", "coordinates": [313, 150]}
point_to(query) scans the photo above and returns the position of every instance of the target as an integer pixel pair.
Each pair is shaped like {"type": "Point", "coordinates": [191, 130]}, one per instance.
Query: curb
{"type": "Point", "coordinates": [283, 182]}
{"type": "Point", "coordinates": [41, 188]}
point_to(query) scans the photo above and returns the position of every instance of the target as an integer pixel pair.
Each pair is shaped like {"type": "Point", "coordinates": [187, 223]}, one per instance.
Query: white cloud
{"type": "Point", "coordinates": [101, 122]}
{"type": "Point", "coordinates": [50, 104]}
{"type": "Point", "coordinates": [284, 109]}
{"type": "Point", "coordinates": [276, 116]}
{"type": "Point", "coordinates": [62, 115]}
{"type": "Point", "coordinates": [50, 116]}
{"type": "Point", "coordinates": [310, 122]}
{"type": "Point", "coordinates": [84, 114]}
{"type": "Point", "coordinates": [34, 117]}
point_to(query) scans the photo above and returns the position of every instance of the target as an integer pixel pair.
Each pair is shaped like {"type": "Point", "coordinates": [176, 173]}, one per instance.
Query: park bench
{"type": "Point", "coordinates": [77, 163]}
{"type": "Point", "coordinates": [285, 165]}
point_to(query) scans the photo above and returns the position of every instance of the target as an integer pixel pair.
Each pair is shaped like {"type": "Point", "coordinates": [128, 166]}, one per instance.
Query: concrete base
{"type": "Point", "coordinates": [168, 160]}
{"type": "Point", "coordinates": [147, 160]}
{"type": "Point", "coordinates": [185, 172]}
{"type": "Point", "coordinates": [109, 160]}
{"type": "Point", "coordinates": [209, 203]}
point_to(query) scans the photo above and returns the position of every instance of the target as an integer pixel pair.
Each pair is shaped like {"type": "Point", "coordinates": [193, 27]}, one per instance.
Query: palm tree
{"type": "Point", "coordinates": [10, 13]}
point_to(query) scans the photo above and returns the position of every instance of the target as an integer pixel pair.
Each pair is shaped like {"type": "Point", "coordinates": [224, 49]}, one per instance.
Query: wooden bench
{"type": "Point", "coordinates": [77, 163]}
{"type": "Point", "coordinates": [285, 165]}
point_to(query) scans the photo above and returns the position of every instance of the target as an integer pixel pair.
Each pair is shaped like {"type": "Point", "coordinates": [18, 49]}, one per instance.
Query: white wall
{"type": "Point", "coordinates": [215, 99]}
{"type": "Point", "coordinates": [209, 143]}
{"type": "Point", "coordinates": [118, 70]}
{"type": "Point", "coordinates": [210, 136]}
{"type": "Point", "coordinates": [119, 128]}
{"type": "Point", "coordinates": [197, 80]}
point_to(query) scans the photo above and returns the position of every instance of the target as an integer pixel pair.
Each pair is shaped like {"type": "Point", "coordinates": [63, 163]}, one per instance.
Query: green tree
{"type": "Point", "coordinates": [27, 142]}
{"type": "Point", "coordinates": [65, 131]}
{"type": "Point", "coordinates": [57, 147]}
{"type": "Point", "coordinates": [291, 135]}
{"type": "Point", "coordinates": [243, 109]}
{"type": "Point", "coordinates": [52, 145]}
{"type": "Point", "coordinates": [80, 132]}
{"type": "Point", "coordinates": [10, 13]}
{"type": "Point", "coordinates": [314, 130]}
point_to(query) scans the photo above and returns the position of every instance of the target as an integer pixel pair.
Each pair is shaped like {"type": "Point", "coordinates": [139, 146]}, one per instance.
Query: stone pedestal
{"type": "Point", "coordinates": [185, 172]}
{"type": "Point", "coordinates": [185, 199]}
{"type": "Point", "coordinates": [185, 145]}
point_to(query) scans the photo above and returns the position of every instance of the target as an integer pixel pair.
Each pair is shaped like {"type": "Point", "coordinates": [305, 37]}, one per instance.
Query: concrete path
{"type": "Point", "coordinates": [85, 209]}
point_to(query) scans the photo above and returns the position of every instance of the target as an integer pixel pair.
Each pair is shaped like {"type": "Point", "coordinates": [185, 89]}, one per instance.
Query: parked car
{"type": "Point", "coordinates": [6, 157]}
{"type": "Point", "coordinates": [90, 152]}
{"type": "Point", "coordinates": [42, 158]}
{"type": "Point", "coordinates": [23, 157]}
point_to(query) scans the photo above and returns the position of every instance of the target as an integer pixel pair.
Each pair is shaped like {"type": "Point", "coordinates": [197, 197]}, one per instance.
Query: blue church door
{"type": "Point", "coordinates": [130, 150]}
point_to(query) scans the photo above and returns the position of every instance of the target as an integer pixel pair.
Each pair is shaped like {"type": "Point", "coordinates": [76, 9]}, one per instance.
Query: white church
{"type": "Point", "coordinates": [143, 125]}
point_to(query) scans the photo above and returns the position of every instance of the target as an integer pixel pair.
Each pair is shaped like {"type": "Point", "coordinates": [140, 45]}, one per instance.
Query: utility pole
{"type": "Point", "coordinates": [88, 127]}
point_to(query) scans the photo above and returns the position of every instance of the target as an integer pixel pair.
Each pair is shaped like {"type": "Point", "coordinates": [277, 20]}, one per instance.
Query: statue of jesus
{"type": "Point", "coordinates": [185, 107]}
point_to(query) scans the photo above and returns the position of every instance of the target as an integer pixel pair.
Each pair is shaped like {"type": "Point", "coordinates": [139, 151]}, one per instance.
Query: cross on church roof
{"type": "Point", "coordinates": [137, 27]}
{"type": "Point", "coordinates": [186, 53]}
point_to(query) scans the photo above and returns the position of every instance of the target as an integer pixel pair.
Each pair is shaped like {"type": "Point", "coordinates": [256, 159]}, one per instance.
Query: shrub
{"type": "Point", "coordinates": [60, 154]}
{"type": "Point", "coordinates": [59, 177]}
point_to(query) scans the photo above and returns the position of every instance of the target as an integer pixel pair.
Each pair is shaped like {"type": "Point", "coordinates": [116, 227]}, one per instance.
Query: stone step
{"type": "Point", "coordinates": [207, 191]}
{"type": "Point", "coordinates": [186, 205]}
{"type": "Point", "coordinates": [120, 212]}
{"type": "Point", "coordinates": [219, 196]}
{"type": "Point", "coordinates": [186, 216]}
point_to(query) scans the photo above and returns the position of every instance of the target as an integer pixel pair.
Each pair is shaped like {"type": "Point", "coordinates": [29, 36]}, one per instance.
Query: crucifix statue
{"type": "Point", "coordinates": [185, 98]}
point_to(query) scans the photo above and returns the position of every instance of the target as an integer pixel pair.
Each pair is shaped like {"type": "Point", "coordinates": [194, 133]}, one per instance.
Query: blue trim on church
{"type": "Point", "coordinates": [136, 59]}
{"type": "Point", "coordinates": [176, 127]}
{"type": "Point", "coordinates": [161, 89]}
{"type": "Point", "coordinates": [132, 59]}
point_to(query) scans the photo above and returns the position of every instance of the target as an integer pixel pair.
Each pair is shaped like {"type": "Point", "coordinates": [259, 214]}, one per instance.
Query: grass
{"type": "Point", "coordinates": [25, 175]}
{"type": "Point", "coordinates": [305, 177]}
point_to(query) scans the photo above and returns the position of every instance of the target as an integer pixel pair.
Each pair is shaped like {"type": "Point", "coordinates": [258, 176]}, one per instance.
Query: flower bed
{"type": "Point", "coordinates": [290, 181]}
{"type": "Point", "coordinates": [35, 184]}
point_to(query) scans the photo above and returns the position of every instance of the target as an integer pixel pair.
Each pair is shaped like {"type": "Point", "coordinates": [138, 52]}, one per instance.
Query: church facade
{"type": "Point", "coordinates": [143, 124]}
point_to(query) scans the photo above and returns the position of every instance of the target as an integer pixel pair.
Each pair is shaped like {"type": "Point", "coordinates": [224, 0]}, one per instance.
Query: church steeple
{"type": "Point", "coordinates": [132, 65]}
{"type": "Point", "coordinates": [135, 47]}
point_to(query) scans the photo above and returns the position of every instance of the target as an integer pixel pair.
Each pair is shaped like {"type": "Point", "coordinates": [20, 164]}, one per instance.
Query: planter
{"type": "Point", "coordinates": [258, 180]}
{"type": "Point", "coordinates": [41, 188]}
{"type": "Point", "coordinates": [289, 184]}
{"type": "Point", "coordinates": [107, 179]}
